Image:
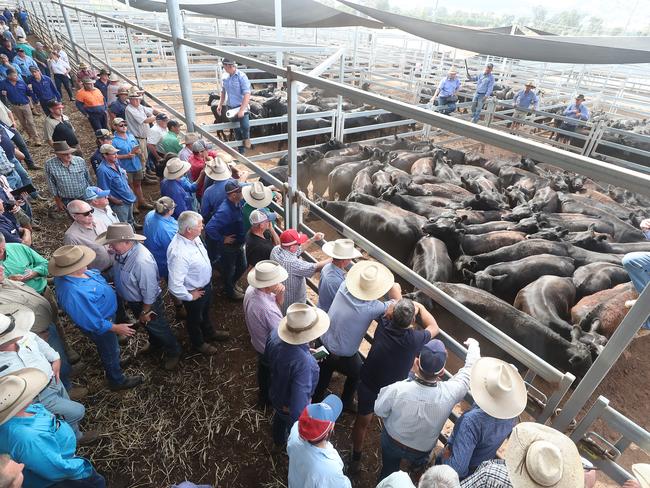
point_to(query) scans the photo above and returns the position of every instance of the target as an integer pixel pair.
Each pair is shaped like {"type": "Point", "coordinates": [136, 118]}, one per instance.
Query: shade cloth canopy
{"type": "Point", "coordinates": [295, 13]}
{"type": "Point", "coordinates": [549, 49]}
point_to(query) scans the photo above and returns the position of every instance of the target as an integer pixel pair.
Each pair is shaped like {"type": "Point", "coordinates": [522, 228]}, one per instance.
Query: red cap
{"type": "Point", "coordinates": [291, 237]}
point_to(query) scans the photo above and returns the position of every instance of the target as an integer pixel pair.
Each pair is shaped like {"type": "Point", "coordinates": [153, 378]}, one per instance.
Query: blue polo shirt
{"type": "Point", "coordinates": [124, 146]}
{"type": "Point", "coordinates": [227, 220]}
{"type": "Point", "coordinates": [44, 90]}
{"type": "Point", "coordinates": [524, 100]}
{"type": "Point", "coordinates": [236, 86]}
{"type": "Point", "coordinates": [102, 87]}
{"type": "Point", "coordinates": [115, 180]}
{"type": "Point", "coordinates": [18, 93]}
{"type": "Point", "coordinates": [570, 112]}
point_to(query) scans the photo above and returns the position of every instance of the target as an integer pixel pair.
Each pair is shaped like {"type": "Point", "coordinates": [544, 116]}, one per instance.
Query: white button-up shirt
{"type": "Point", "coordinates": [33, 352]}
{"type": "Point", "coordinates": [105, 216]}
{"type": "Point", "coordinates": [189, 266]}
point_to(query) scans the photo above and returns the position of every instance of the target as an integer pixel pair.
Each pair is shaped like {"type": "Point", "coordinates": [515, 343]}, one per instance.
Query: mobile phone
{"type": "Point", "coordinates": [320, 353]}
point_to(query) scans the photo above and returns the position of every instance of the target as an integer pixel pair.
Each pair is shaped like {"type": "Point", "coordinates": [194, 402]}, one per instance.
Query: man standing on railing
{"type": "Point", "coordinates": [484, 87]}
{"type": "Point", "coordinates": [446, 93]}
{"type": "Point", "coordinates": [522, 102]}
{"type": "Point", "coordinates": [238, 89]}
{"type": "Point", "coordinates": [576, 111]}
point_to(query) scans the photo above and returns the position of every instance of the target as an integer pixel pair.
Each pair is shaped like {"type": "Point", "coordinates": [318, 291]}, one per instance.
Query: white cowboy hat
{"type": "Point", "coordinates": [266, 273]}
{"type": "Point", "coordinates": [498, 388]}
{"type": "Point", "coordinates": [15, 321]}
{"type": "Point", "coordinates": [175, 168]}
{"type": "Point", "coordinates": [642, 474]}
{"type": "Point", "coordinates": [19, 390]}
{"type": "Point", "coordinates": [257, 195]}
{"type": "Point", "coordinates": [538, 456]}
{"type": "Point", "coordinates": [369, 280]}
{"type": "Point", "coordinates": [303, 324]}
{"type": "Point", "coordinates": [68, 259]}
{"type": "Point", "coordinates": [341, 249]}
{"type": "Point", "coordinates": [217, 169]}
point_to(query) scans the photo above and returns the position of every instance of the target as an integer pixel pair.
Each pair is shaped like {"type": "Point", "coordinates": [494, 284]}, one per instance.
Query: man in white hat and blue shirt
{"type": "Point", "coordinates": [342, 252]}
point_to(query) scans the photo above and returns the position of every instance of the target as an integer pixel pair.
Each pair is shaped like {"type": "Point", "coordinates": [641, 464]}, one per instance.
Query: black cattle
{"type": "Point", "coordinates": [431, 260]}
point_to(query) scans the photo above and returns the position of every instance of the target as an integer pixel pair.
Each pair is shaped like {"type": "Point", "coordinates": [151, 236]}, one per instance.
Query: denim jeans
{"type": "Point", "coordinates": [477, 105]}
{"type": "Point", "coordinates": [56, 342]}
{"type": "Point", "coordinates": [263, 380]}
{"type": "Point", "coordinates": [160, 334]}
{"type": "Point", "coordinates": [95, 480]}
{"type": "Point", "coordinates": [56, 400]}
{"type": "Point", "coordinates": [637, 265]}
{"type": "Point", "coordinates": [350, 366]}
{"type": "Point", "coordinates": [198, 323]}
{"type": "Point", "coordinates": [124, 212]}
{"type": "Point", "coordinates": [392, 454]}
{"type": "Point", "coordinates": [109, 354]}
{"type": "Point", "coordinates": [281, 426]}
{"type": "Point", "coordinates": [244, 131]}
{"type": "Point", "coordinates": [446, 107]}
{"type": "Point", "coordinates": [19, 142]}
{"type": "Point", "coordinates": [233, 265]}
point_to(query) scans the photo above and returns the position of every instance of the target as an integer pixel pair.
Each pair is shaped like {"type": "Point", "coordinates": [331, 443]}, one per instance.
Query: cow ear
{"type": "Point", "coordinates": [499, 278]}
{"type": "Point", "coordinates": [467, 274]}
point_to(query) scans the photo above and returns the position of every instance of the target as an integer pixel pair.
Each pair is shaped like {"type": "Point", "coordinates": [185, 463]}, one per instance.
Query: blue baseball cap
{"type": "Point", "coordinates": [433, 357]}
{"type": "Point", "coordinates": [93, 192]}
{"type": "Point", "coordinates": [318, 419]}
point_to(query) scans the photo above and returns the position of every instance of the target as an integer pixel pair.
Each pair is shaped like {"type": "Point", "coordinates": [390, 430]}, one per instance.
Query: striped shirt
{"type": "Point", "coordinates": [68, 181]}
{"type": "Point", "coordinates": [490, 474]}
{"type": "Point", "coordinates": [295, 287]}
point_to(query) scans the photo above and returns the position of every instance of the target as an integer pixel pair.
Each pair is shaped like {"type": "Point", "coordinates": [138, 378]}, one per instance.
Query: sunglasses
{"type": "Point", "coordinates": [85, 214]}
{"type": "Point", "coordinates": [121, 125]}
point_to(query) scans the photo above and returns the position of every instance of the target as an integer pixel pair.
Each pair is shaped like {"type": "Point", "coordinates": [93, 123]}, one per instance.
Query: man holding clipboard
{"type": "Point", "coordinates": [238, 88]}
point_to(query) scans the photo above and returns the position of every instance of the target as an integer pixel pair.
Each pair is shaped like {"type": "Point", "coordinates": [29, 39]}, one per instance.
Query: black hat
{"type": "Point", "coordinates": [20, 50]}
{"type": "Point", "coordinates": [228, 61]}
{"type": "Point", "coordinates": [161, 116]}
{"type": "Point", "coordinates": [54, 103]}
{"type": "Point", "coordinates": [232, 187]}
{"type": "Point", "coordinates": [173, 123]}
{"type": "Point", "coordinates": [580, 97]}
{"type": "Point", "coordinates": [33, 68]}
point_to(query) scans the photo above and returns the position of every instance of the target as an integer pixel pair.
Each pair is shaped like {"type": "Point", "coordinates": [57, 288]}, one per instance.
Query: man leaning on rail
{"type": "Point", "coordinates": [484, 87]}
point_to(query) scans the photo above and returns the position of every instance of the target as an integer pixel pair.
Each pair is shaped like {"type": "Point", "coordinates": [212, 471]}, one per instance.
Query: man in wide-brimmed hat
{"type": "Point", "coordinates": [342, 252]}
{"type": "Point", "coordinates": [91, 303]}
{"type": "Point", "coordinates": [112, 89]}
{"type": "Point", "coordinates": [356, 304]}
{"type": "Point", "coordinates": [67, 175]}
{"type": "Point", "coordinates": [500, 396]}
{"type": "Point", "coordinates": [32, 435]}
{"type": "Point", "coordinates": [446, 93]}
{"type": "Point", "coordinates": [261, 238]}
{"type": "Point", "coordinates": [257, 197]}
{"type": "Point", "coordinates": [84, 72]}
{"type": "Point", "coordinates": [238, 89]}
{"type": "Point", "coordinates": [91, 103]}
{"type": "Point", "coordinates": [19, 347]}
{"type": "Point", "coordinates": [262, 302]}
{"type": "Point", "coordinates": [177, 187]}
{"type": "Point", "coordinates": [117, 108]}
{"type": "Point", "coordinates": [411, 434]}
{"type": "Point", "coordinates": [576, 112]}
{"type": "Point", "coordinates": [523, 101]}
{"type": "Point", "coordinates": [101, 83]}
{"type": "Point", "coordinates": [396, 344]}
{"type": "Point", "coordinates": [288, 254]}
{"type": "Point", "coordinates": [294, 371]}
{"type": "Point", "coordinates": [313, 461]}
{"type": "Point", "coordinates": [112, 177]}
{"type": "Point", "coordinates": [137, 282]}
{"type": "Point", "coordinates": [187, 141]}
{"type": "Point", "coordinates": [219, 171]}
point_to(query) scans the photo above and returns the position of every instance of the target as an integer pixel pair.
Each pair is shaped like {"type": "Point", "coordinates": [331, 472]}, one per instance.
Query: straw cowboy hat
{"type": "Point", "coordinates": [68, 259]}
{"type": "Point", "coordinates": [122, 91]}
{"type": "Point", "coordinates": [530, 83]}
{"type": "Point", "coordinates": [369, 280]}
{"type": "Point", "coordinates": [114, 77]}
{"type": "Point", "coordinates": [176, 168]}
{"type": "Point", "coordinates": [83, 65]}
{"type": "Point", "coordinates": [642, 474]}
{"type": "Point", "coordinates": [257, 195]}
{"type": "Point", "coordinates": [341, 249]}
{"type": "Point", "coordinates": [217, 169]}
{"type": "Point", "coordinates": [266, 273]}
{"type": "Point", "coordinates": [539, 456]}
{"type": "Point", "coordinates": [303, 324]}
{"type": "Point", "coordinates": [15, 322]}
{"type": "Point", "coordinates": [135, 92]}
{"type": "Point", "coordinates": [190, 138]}
{"type": "Point", "coordinates": [118, 232]}
{"type": "Point", "coordinates": [498, 388]}
{"type": "Point", "coordinates": [19, 390]}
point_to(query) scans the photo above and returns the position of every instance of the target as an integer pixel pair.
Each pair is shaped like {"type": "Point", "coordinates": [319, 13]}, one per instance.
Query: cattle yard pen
{"type": "Point", "coordinates": [186, 54]}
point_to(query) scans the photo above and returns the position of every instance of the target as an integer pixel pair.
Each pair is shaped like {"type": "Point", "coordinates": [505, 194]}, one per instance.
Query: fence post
{"type": "Point", "coordinates": [136, 68]}
{"type": "Point", "coordinates": [101, 39]}
{"type": "Point", "coordinates": [292, 139]}
{"type": "Point", "coordinates": [83, 38]}
{"type": "Point", "coordinates": [68, 27]}
{"type": "Point", "coordinates": [338, 132]}
{"type": "Point", "coordinates": [182, 66]}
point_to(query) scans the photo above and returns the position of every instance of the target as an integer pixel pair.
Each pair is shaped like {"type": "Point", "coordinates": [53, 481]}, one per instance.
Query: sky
{"type": "Point", "coordinates": [616, 13]}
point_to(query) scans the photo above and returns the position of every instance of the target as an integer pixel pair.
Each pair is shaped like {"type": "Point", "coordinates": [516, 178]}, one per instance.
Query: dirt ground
{"type": "Point", "coordinates": [199, 423]}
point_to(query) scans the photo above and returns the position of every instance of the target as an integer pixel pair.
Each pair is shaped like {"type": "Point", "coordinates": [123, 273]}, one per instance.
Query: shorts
{"type": "Point", "coordinates": [135, 176]}
{"type": "Point", "coordinates": [519, 114]}
{"type": "Point", "coordinates": [366, 397]}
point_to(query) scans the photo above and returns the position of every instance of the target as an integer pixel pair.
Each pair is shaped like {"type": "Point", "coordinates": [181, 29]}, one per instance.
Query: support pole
{"type": "Point", "coordinates": [182, 66]}
{"type": "Point", "coordinates": [101, 39]}
{"type": "Point", "coordinates": [134, 60]}
{"type": "Point", "coordinates": [338, 134]}
{"type": "Point", "coordinates": [83, 38]}
{"type": "Point", "coordinates": [46, 23]}
{"type": "Point", "coordinates": [292, 139]}
{"type": "Point", "coordinates": [279, 57]}
{"type": "Point", "coordinates": [68, 27]}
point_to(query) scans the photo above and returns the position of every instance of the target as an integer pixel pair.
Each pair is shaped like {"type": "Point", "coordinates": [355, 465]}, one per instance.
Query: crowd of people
{"type": "Point", "coordinates": [214, 233]}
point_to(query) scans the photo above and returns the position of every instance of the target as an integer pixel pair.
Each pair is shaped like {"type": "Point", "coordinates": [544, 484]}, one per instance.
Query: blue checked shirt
{"type": "Point", "coordinates": [24, 64]}
{"type": "Point", "coordinates": [490, 474]}
{"type": "Point", "coordinates": [448, 87]}
{"type": "Point", "coordinates": [295, 287]}
{"type": "Point", "coordinates": [136, 275]}
{"type": "Point", "coordinates": [524, 100]}
{"type": "Point", "coordinates": [67, 181]}
{"type": "Point", "coordinates": [236, 86]}
{"type": "Point", "coordinates": [6, 166]}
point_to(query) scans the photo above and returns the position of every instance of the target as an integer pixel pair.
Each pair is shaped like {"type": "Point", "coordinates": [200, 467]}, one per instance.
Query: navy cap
{"type": "Point", "coordinates": [227, 61]}
{"type": "Point", "coordinates": [232, 187]}
{"type": "Point", "coordinates": [161, 116]}
{"type": "Point", "coordinates": [433, 357]}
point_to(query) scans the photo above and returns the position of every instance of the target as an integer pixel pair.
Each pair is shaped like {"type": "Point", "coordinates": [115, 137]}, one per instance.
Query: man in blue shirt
{"type": "Point", "coordinates": [522, 102]}
{"type": "Point", "coordinates": [446, 92]}
{"type": "Point", "coordinates": [294, 371]}
{"type": "Point", "coordinates": [129, 155]}
{"type": "Point", "coordinates": [18, 93]}
{"type": "Point", "coordinates": [226, 229]}
{"type": "Point", "coordinates": [575, 111]}
{"type": "Point", "coordinates": [23, 62]}
{"type": "Point", "coordinates": [484, 87]}
{"type": "Point", "coordinates": [7, 48]}
{"type": "Point", "coordinates": [43, 89]}
{"type": "Point", "coordinates": [238, 89]}
{"type": "Point", "coordinates": [110, 176]}
{"type": "Point", "coordinates": [342, 252]}
{"type": "Point", "coordinates": [117, 108]}
{"type": "Point", "coordinates": [4, 66]}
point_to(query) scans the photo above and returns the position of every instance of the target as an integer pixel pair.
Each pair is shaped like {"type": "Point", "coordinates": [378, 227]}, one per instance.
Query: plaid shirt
{"type": "Point", "coordinates": [6, 166]}
{"type": "Point", "coordinates": [67, 181]}
{"type": "Point", "coordinates": [295, 285]}
{"type": "Point", "coordinates": [490, 474]}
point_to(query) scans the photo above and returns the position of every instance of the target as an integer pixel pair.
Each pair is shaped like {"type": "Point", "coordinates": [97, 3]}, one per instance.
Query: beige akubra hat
{"type": "Point", "coordinates": [369, 280]}
{"type": "Point", "coordinates": [341, 249]}
{"type": "Point", "coordinates": [175, 168]}
{"type": "Point", "coordinates": [530, 83]}
{"type": "Point", "coordinates": [498, 388]}
{"type": "Point", "coordinates": [257, 195]}
{"type": "Point", "coordinates": [217, 169]}
{"type": "Point", "coordinates": [642, 474]}
{"type": "Point", "coordinates": [303, 324]}
{"type": "Point", "coordinates": [266, 273]}
{"type": "Point", "coordinates": [538, 456]}
{"type": "Point", "coordinates": [113, 77]}
{"type": "Point", "coordinates": [68, 259]}
{"type": "Point", "coordinates": [118, 232]}
{"type": "Point", "coordinates": [190, 138]}
{"type": "Point", "coordinates": [15, 322]}
{"type": "Point", "coordinates": [19, 390]}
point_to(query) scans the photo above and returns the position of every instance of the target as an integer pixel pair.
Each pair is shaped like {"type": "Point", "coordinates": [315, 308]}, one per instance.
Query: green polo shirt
{"type": "Point", "coordinates": [170, 143]}
{"type": "Point", "coordinates": [20, 258]}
